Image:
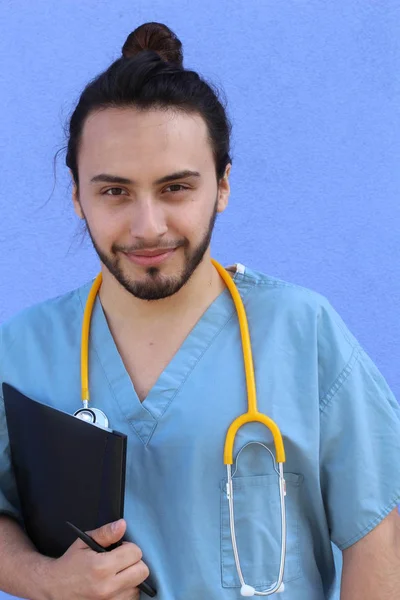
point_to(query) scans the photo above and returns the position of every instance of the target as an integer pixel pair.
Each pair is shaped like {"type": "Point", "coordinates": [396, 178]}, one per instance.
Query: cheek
{"type": "Point", "coordinates": [192, 220]}
{"type": "Point", "coordinates": [189, 226]}
{"type": "Point", "coordinates": [105, 225]}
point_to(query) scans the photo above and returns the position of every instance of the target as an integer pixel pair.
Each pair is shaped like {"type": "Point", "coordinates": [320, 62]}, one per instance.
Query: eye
{"type": "Point", "coordinates": [173, 188]}
{"type": "Point", "coordinates": [114, 191]}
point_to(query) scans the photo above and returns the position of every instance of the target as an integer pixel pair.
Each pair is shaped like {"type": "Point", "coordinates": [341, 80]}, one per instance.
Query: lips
{"type": "Point", "coordinates": [150, 257]}
{"type": "Point", "coordinates": [156, 252]}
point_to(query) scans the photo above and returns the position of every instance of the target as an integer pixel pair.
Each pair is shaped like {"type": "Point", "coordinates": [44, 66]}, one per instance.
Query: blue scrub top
{"type": "Point", "coordinates": [339, 420]}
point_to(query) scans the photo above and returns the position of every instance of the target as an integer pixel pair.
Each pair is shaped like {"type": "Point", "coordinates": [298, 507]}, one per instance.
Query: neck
{"type": "Point", "coordinates": [199, 292]}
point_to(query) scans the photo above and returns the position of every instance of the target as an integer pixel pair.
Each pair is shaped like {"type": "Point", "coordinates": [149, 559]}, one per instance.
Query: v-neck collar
{"type": "Point", "coordinates": [144, 416]}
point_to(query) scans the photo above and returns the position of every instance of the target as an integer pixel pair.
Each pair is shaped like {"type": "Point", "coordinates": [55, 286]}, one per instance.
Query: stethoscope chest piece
{"type": "Point", "coordinates": [95, 416]}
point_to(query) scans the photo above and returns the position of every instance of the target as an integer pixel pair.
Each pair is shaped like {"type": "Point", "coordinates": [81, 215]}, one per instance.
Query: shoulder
{"type": "Point", "coordinates": [297, 316]}
{"type": "Point", "coordinates": [267, 287]}
{"type": "Point", "coordinates": [271, 293]}
{"type": "Point", "coordinates": [46, 318]}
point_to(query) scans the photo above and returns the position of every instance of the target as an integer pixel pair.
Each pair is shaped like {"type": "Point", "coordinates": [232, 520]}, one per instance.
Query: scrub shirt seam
{"type": "Point", "coordinates": [217, 333]}
{"type": "Point", "coordinates": [149, 435]}
{"type": "Point", "coordinates": [249, 278]}
{"type": "Point", "coordinates": [279, 283]}
{"type": "Point", "coordinates": [276, 284]}
{"type": "Point", "coordinates": [327, 398]}
{"type": "Point", "coordinates": [345, 332]}
{"type": "Point", "coordinates": [372, 524]}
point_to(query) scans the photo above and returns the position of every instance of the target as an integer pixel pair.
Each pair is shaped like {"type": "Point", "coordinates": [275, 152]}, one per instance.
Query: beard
{"type": "Point", "coordinates": [156, 286]}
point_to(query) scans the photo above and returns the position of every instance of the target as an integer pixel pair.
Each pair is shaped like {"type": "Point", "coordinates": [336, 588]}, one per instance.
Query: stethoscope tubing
{"type": "Point", "coordinates": [282, 493]}
{"type": "Point", "coordinates": [252, 415]}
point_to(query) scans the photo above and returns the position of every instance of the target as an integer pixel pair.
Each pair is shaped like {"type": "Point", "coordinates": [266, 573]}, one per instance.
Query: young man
{"type": "Point", "coordinates": [149, 157]}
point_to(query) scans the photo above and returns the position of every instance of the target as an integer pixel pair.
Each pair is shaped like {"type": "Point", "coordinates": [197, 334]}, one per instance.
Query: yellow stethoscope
{"type": "Point", "coordinates": [96, 416]}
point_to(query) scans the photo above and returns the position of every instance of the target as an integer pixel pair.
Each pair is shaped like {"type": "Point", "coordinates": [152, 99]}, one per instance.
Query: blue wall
{"type": "Point", "coordinates": [313, 90]}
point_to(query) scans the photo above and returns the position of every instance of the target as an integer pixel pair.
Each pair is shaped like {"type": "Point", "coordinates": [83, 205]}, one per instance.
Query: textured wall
{"type": "Point", "coordinates": [313, 90]}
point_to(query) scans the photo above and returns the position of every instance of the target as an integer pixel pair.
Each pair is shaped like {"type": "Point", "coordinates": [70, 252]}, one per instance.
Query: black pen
{"type": "Point", "coordinates": [144, 587]}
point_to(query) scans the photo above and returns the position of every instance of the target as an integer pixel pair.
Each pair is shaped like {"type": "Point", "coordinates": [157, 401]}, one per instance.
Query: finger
{"type": "Point", "coordinates": [109, 534]}
{"type": "Point", "coordinates": [132, 576]}
{"type": "Point", "coordinates": [124, 557]}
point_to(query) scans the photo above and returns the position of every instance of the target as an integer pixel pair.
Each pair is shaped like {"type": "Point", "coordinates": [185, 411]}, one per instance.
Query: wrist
{"type": "Point", "coordinates": [44, 579]}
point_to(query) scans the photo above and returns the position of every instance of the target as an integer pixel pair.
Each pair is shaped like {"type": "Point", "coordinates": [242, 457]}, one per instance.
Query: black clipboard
{"type": "Point", "coordinates": [65, 470]}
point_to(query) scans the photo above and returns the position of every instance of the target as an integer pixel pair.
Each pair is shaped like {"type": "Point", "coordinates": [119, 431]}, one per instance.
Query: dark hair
{"type": "Point", "coordinates": [150, 74]}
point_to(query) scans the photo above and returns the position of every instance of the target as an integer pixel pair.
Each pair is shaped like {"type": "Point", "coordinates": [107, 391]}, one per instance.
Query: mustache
{"type": "Point", "coordinates": [147, 246]}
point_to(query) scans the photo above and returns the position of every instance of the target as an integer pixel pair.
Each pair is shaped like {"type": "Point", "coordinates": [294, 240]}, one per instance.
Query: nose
{"type": "Point", "coordinates": [148, 221]}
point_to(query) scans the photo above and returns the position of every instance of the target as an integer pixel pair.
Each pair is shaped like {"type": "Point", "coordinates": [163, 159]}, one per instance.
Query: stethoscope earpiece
{"type": "Point", "coordinates": [247, 590]}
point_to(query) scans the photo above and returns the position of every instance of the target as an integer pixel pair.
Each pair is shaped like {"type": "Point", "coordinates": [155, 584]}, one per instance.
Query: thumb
{"type": "Point", "coordinates": [109, 534]}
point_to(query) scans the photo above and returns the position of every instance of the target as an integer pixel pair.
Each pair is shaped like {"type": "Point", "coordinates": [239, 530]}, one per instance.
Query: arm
{"type": "Point", "coordinates": [22, 568]}
{"type": "Point", "coordinates": [371, 567]}
{"type": "Point", "coordinates": [79, 574]}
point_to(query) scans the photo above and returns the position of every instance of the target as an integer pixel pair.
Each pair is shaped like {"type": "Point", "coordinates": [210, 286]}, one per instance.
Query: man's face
{"type": "Point", "coordinates": [149, 195]}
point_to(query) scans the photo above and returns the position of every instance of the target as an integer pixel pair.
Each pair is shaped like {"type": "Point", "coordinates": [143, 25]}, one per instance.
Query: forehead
{"type": "Point", "coordinates": [127, 140]}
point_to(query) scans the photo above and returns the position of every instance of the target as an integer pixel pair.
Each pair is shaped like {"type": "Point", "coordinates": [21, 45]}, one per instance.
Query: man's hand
{"type": "Point", "coordinates": [82, 574]}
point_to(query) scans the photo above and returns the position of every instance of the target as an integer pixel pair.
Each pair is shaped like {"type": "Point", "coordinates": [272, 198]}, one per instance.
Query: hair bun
{"type": "Point", "coordinates": [156, 37]}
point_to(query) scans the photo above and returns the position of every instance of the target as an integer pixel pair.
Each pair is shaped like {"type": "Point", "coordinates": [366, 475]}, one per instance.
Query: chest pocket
{"type": "Point", "coordinates": [258, 530]}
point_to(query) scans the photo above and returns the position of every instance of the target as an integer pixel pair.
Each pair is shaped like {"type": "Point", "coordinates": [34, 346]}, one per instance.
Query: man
{"type": "Point", "coordinates": [166, 366]}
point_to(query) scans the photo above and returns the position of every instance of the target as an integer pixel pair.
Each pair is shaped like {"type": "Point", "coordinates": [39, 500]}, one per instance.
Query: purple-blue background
{"type": "Point", "coordinates": [314, 96]}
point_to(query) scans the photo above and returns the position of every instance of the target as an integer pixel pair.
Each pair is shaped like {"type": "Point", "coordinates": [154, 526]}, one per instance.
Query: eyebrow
{"type": "Point", "coordinates": [105, 178]}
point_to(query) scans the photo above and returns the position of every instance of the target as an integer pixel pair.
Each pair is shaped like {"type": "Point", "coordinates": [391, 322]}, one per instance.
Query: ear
{"type": "Point", "coordinates": [75, 198]}
{"type": "Point", "coordinates": [224, 190]}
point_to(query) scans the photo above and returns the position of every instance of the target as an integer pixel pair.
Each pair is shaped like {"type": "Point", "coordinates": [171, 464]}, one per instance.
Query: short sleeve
{"type": "Point", "coordinates": [9, 502]}
{"type": "Point", "coordinates": [360, 442]}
